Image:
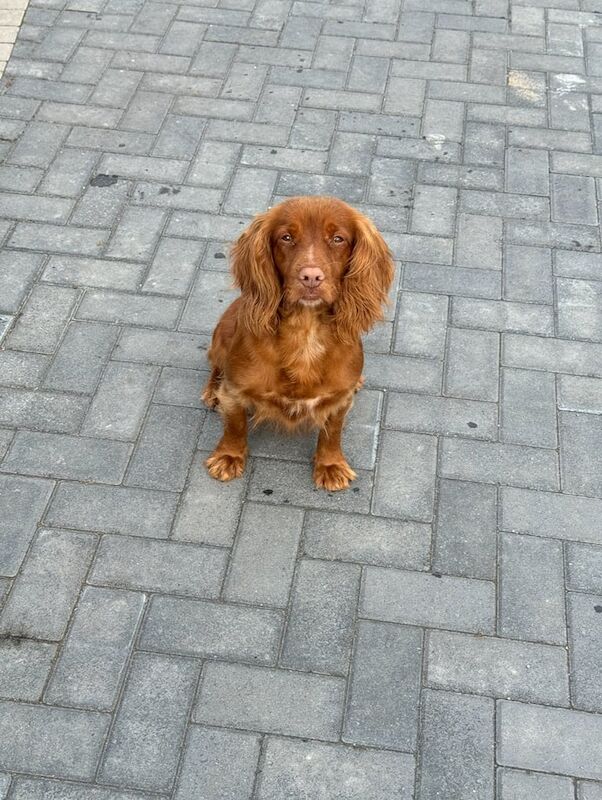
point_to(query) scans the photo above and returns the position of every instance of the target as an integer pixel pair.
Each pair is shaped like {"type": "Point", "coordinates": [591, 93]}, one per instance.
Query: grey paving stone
{"type": "Point", "coordinates": [479, 242]}
{"type": "Point", "coordinates": [42, 320]}
{"type": "Point", "coordinates": [366, 539]}
{"type": "Point", "coordinates": [114, 509]}
{"type": "Point", "coordinates": [162, 456]}
{"type": "Point", "coordinates": [158, 566]}
{"type": "Point", "coordinates": [428, 600]}
{"type": "Point", "coordinates": [502, 205]}
{"type": "Point", "coordinates": [549, 354]}
{"type": "Point", "coordinates": [143, 168]}
{"type": "Point", "coordinates": [549, 739]}
{"type": "Point", "coordinates": [585, 639]}
{"type": "Point", "coordinates": [45, 591]}
{"type": "Point", "coordinates": [382, 706]}
{"type": "Point", "coordinates": [319, 631]}
{"type": "Point", "coordinates": [37, 738]}
{"type": "Point", "coordinates": [526, 671]}
{"type": "Point", "coordinates": [406, 489]}
{"type": "Point", "coordinates": [302, 769]}
{"type": "Point", "coordinates": [589, 791]}
{"type": "Point", "coordinates": [261, 570]}
{"type": "Point", "coordinates": [94, 655]}
{"type": "Point", "coordinates": [207, 765]}
{"type": "Point", "coordinates": [61, 456]}
{"type": "Point", "coordinates": [39, 144]}
{"type": "Point", "coordinates": [420, 414]}
{"type": "Point", "coordinates": [157, 696]}
{"type": "Point", "coordinates": [580, 439]}
{"type": "Point", "coordinates": [166, 348]}
{"type": "Point", "coordinates": [136, 145]}
{"type": "Point", "coordinates": [137, 233]}
{"type": "Point", "coordinates": [74, 271]}
{"type": "Point", "coordinates": [573, 264]}
{"type": "Point", "coordinates": [271, 701]}
{"type": "Point", "coordinates": [458, 746]}
{"type": "Point", "coordinates": [4, 785]}
{"type": "Point", "coordinates": [162, 278]}
{"type": "Point", "coordinates": [453, 281]}
{"type": "Point", "coordinates": [17, 272]}
{"type": "Point", "coordinates": [502, 316]}
{"type": "Point", "coordinates": [472, 364]}
{"type": "Point", "coordinates": [574, 199]}
{"type": "Point", "coordinates": [181, 387]}
{"type": "Point", "coordinates": [43, 209]}
{"type": "Point", "coordinates": [515, 785]}
{"type": "Point", "coordinates": [213, 630]}
{"type": "Point", "coordinates": [485, 143]}
{"type": "Point", "coordinates": [584, 567]}
{"type": "Point", "coordinates": [81, 357]}
{"type": "Point", "coordinates": [43, 411]}
{"type": "Point", "coordinates": [212, 293]}
{"type": "Point", "coordinates": [22, 503]}
{"type": "Point", "coordinates": [527, 171]}
{"type": "Point", "coordinates": [579, 309]}
{"type": "Point", "coordinates": [528, 408]}
{"type": "Point", "coordinates": [56, 239]}
{"type": "Point", "coordinates": [401, 373]}
{"type": "Point", "coordinates": [465, 540]}
{"type": "Point", "coordinates": [24, 668]}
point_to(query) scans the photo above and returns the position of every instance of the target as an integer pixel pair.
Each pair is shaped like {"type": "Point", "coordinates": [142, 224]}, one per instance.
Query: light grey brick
{"type": "Point", "coordinates": [271, 701]}
{"type": "Point", "coordinates": [581, 453]}
{"type": "Point", "coordinates": [366, 539]}
{"type": "Point", "coordinates": [132, 309]}
{"type": "Point", "coordinates": [183, 38]}
{"type": "Point", "coordinates": [114, 509]}
{"type": "Point", "coordinates": [120, 402]}
{"type": "Point", "coordinates": [406, 489]}
{"type": "Point", "coordinates": [37, 738]}
{"type": "Point", "coordinates": [18, 107]}
{"type": "Point", "coordinates": [549, 739]}
{"type": "Point", "coordinates": [450, 45]}
{"type": "Point", "coordinates": [52, 238]}
{"type": "Point", "coordinates": [93, 657]}
{"type": "Point", "coordinates": [74, 271]}
{"type": "Point", "coordinates": [146, 112]}
{"type": "Point", "coordinates": [164, 451]}
{"type": "Point", "coordinates": [420, 414]}
{"type": "Point", "coordinates": [162, 278]}
{"type": "Point", "coordinates": [43, 411]}
{"type": "Point", "coordinates": [403, 373]}
{"type": "Point", "coordinates": [298, 769]}
{"type": "Point", "coordinates": [574, 358]}
{"type": "Point", "coordinates": [426, 149]}
{"type": "Point", "coordinates": [352, 153]}
{"type": "Point", "coordinates": [46, 590]}
{"type": "Point", "coordinates": [422, 599]}
{"type": "Point", "coordinates": [589, 791]}
{"type": "Point", "coordinates": [60, 456]}
{"type": "Point", "coordinates": [574, 199]}
{"type": "Point", "coordinates": [585, 640]}
{"type": "Point", "coordinates": [24, 669]}
{"type": "Point", "coordinates": [263, 562]}
{"type": "Point", "coordinates": [350, 189]}
{"type": "Point", "coordinates": [250, 191]}
{"type": "Point", "coordinates": [143, 168]}
{"type": "Point", "coordinates": [528, 274]}
{"type": "Point", "coordinates": [207, 765]}
{"type": "Point", "coordinates": [504, 315]}
{"type": "Point", "coordinates": [404, 96]}
{"type": "Point", "coordinates": [157, 696]}
{"type": "Point", "coordinates": [443, 120]}
{"type": "Point", "coordinates": [198, 225]}
{"type": "Point", "coordinates": [368, 74]}
{"type": "Point", "coordinates": [201, 628]}
{"type": "Point", "coordinates": [505, 205]}
{"type": "Point", "coordinates": [81, 357]}
{"type": "Point", "coordinates": [434, 210]}
{"type": "Point", "coordinates": [44, 209]}
{"type": "Point", "coordinates": [479, 242]}
{"type": "Point", "coordinates": [421, 325]}
{"type": "Point", "coordinates": [75, 114]}
{"type": "Point", "coordinates": [458, 746]}
{"type": "Point", "coordinates": [382, 707]}
{"type": "Point", "coordinates": [167, 348]}
{"type": "Point", "coordinates": [527, 171]}
{"type": "Point", "coordinates": [486, 665]}
{"type": "Point", "coordinates": [465, 541]}
{"type": "Point", "coordinates": [549, 139]}
{"type": "Point", "coordinates": [515, 785]}
{"type": "Point", "coordinates": [455, 280]}
{"type": "Point", "coordinates": [488, 66]}
{"type": "Point", "coordinates": [180, 387]}
{"type": "Point", "coordinates": [115, 88]}
{"type": "Point", "coordinates": [214, 163]}
{"type": "Point", "coordinates": [472, 364]}
{"type": "Point", "coordinates": [26, 178]}
{"type": "Point", "coordinates": [87, 65]}
{"type": "Point", "coordinates": [43, 318]}
{"type": "Point", "coordinates": [465, 177]}
{"type": "Point", "coordinates": [528, 408]}
{"type": "Point", "coordinates": [158, 566]}
{"type": "Point", "coordinates": [39, 144]}
{"type": "Point", "coordinates": [485, 144]}
{"type": "Point", "coordinates": [579, 309]}
{"type": "Point", "coordinates": [179, 137]}
{"type": "Point", "coordinates": [153, 19]}
{"type": "Point", "coordinates": [137, 233]}
{"type": "Point", "coordinates": [207, 107]}
{"type": "Point", "coordinates": [572, 264]}
{"type": "Point", "coordinates": [320, 626]}
{"type": "Point", "coordinates": [531, 589]}
{"type": "Point", "coordinates": [584, 567]}
{"type": "Point", "coordinates": [118, 142]}
{"type": "Point", "coordinates": [150, 62]}
{"type": "Point", "coordinates": [22, 503]}
{"type": "Point", "coordinates": [570, 112]}
{"type": "Point", "coordinates": [213, 59]}
{"type": "Point", "coordinates": [490, 462]}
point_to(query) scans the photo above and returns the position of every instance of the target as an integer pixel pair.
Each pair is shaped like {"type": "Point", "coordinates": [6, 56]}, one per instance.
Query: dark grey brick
{"type": "Point", "coordinates": [51, 740]}
{"type": "Point", "coordinates": [458, 746]}
{"type": "Point", "coordinates": [180, 387]}
{"type": "Point", "coordinates": [549, 739]}
{"type": "Point", "coordinates": [297, 769]}
{"type": "Point", "coordinates": [574, 358]}
{"type": "Point", "coordinates": [158, 566]}
{"type": "Point", "coordinates": [22, 502]}
{"type": "Point", "coordinates": [150, 62]}
{"type": "Point", "coordinates": [472, 364]}
{"type": "Point", "coordinates": [382, 707]}
{"type": "Point", "coordinates": [60, 456]}
{"type": "Point", "coordinates": [250, 191]}
{"type": "Point", "coordinates": [465, 541]}
{"type": "Point", "coordinates": [24, 669]}
{"type": "Point", "coordinates": [505, 205]}
{"type": "Point", "coordinates": [213, 58]}
{"type": "Point", "coordinates": [43, 318]}
{"type": "Point", "coordinates": [87, 65]}
{"type": "Point", "coordinates": [93, 657]}
{"type": "Point", "coordinates": [114, 509]}
{"type": "Point", "coordinates": [73, 114]}
{"type": "Point", "coordinates": [526, 671]}
{"type": "Point", "coordinates": [368, 74]}
{"type": "Point", "coordinates": [39, 144]}
{"type": "Point", "coordinates": [146, 112]}
{"type": "Point", "coordinates": [350, 189]}
{"type": "Point", "coordinates": [585, 640]}
{"type": "Point", "coordinates": [581, 454]}
{"type": "Point", "coordinates": [119, 142]}
{"type": "Point", "coordinates": [551, 234]}
{"type": "Point", "coordinates": [406, 489]}
{"type": "Point", "coordinates": [157, 696]}
{"type": "Point", "coordinates": [46, 590]}
{"type": "Point", "coordinates": [17, 272]}
{"type": "Point", "coordinates": [515, 785]}
{"type": "Point", "coordinates": [320, 626]}
{"type": "Point", "coordinates": [263, 562]}
{"type": "Point", "coordinates": [207, 765]}
{"type": "Point", "coordinates": [351, 153]}
{"type": "Point", "coordinates": [81, 357]}
{"type": "Point", "coordinates": [43, 411]}
{"type": "Point", "coordinates": [528, 408]}
{"type": "Point", "coordinates": [271, 701]}
{"type": "Point", "coordinates": [115, 88]}
{"type": "Point", "coordinates": [584, 567]}
{"type": "Point", "coordinates": [415, 598]}
{"type": "Point", "coordinates": [212, 630]}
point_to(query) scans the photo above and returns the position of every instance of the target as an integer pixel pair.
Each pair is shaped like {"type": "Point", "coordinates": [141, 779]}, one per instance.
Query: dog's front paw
{"type": "Point", "coordinates": [209, 397]}
{"type": "Point", "coordinates": [224, 467]}
{"type": "Point", "coordinates": [333, 477]}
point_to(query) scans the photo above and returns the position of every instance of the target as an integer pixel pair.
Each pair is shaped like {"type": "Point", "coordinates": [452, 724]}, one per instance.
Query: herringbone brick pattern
{"type": "Point", "coordinates": [436, 631]}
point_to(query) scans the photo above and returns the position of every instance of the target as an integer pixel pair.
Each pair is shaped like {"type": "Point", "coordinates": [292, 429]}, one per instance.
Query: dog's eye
{"type": "Point", "coordinates": [338, 239]}
{"type": "Point", "coordinates": [286, 237]}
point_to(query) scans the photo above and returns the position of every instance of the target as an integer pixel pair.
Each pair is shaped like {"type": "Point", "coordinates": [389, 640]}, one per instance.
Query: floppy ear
{"type": "Point", "coordinates": [256, 275]}
{"type": "Point", "coordinates": [366, 283]}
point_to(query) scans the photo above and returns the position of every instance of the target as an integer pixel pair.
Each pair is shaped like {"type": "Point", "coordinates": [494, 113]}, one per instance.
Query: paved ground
{"type": "Point", "coordinates": [435, 632]}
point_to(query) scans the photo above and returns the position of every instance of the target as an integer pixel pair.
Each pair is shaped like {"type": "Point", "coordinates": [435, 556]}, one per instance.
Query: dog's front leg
{"type": "Point", "coordinates": [229, 457]}
{"type": "Point", "coordinates": [331, 470]}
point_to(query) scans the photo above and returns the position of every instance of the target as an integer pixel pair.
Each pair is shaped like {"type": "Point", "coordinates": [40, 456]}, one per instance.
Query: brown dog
{"type": "Point", "coordinates": [314, 274]}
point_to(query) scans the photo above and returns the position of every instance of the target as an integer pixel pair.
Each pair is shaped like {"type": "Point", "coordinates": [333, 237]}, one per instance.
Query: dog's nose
{"type": "Point", "coordinates": [311, 277]}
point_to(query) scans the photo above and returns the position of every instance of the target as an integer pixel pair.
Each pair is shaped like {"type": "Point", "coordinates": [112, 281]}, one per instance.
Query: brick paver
{"type": "Point", "coordinates": [435, 631]}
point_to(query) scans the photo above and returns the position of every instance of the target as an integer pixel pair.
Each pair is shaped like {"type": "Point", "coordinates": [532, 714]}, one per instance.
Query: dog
{"type": "Point", "coordinates": [314, 274]}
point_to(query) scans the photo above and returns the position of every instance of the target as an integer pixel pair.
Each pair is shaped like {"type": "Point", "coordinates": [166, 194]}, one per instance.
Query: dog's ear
{"type": "Point", "coordinates": [366, 283]}
{"type": "Point", "coordinates": [256, 274]}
